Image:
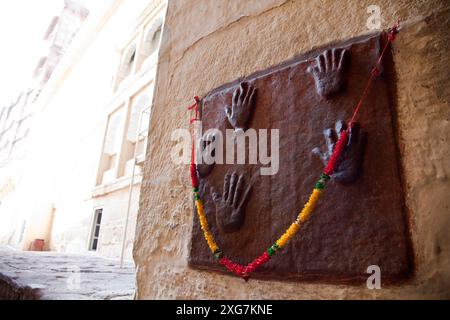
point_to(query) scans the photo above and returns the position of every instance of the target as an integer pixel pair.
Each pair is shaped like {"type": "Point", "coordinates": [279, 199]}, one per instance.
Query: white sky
{"type": "Point", "coordinates": [22, 26]}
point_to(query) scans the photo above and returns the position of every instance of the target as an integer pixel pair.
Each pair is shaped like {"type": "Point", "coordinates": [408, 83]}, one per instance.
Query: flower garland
{"type": "Point", "coordinates": [244, 271]}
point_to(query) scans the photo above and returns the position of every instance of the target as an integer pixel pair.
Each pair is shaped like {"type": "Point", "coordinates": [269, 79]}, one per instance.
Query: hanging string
{"type": "Point", "coordinates": [193, 168]}
{"type": "Point", "coordinates": [194, 107]}
{"type": "Point", "coordinates": [392, 33]}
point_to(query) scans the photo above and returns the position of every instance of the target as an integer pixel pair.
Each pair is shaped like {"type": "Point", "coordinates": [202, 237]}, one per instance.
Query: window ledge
{"type": "Point", "coordinates": [118, 184]}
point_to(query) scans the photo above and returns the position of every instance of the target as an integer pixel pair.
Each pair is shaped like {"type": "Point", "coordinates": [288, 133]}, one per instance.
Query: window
{"type": "Point", "coordinates": [111, 147]}
{"type": "Point", "coordinates": [95, 233]}
{"type": "Point", "coordinates": [151, 42]}
{"type": "Point", "coordinates": [154, 43]}
{"type": "Point", "coordinates": [112, 142]}
{"type": "Point", "coordinates": [127, 64]}
{"type": "Point", "coordinates": [39, 67]}
{"type": "Point", "coordinates": [139, 103]}
{"type": "Point", "coordinates": [51, 31]}
{"type": "Point", "coordinates": [137, 123]}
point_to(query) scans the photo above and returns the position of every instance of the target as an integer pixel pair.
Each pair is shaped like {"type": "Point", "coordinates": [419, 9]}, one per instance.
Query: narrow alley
{"type": "Point", "coordinates": [58, 276]}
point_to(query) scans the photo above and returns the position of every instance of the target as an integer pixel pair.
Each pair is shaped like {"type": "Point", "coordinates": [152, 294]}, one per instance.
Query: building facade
{"type": "Point", "coordinates": [16, 118]}
{"type": "Point", "coordinates": [82, 174]}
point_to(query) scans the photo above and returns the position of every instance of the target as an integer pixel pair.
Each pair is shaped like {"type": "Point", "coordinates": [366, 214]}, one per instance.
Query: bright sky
{"type": "Point", "coordinates": [22, 27]}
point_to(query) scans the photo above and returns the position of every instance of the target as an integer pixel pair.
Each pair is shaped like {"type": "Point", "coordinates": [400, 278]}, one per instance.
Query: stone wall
{"type": "Point", "coordinates": [9, 290]}
{"type": "Point", "coordinates": [208, 43]}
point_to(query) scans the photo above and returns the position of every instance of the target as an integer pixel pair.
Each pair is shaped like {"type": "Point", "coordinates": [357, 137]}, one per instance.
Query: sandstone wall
{"type": "Point", "coordinates": [209, 43]}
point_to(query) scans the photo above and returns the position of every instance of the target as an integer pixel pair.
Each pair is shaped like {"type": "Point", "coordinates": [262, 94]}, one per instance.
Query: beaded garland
{"type": "Point", "coordinates": [244, 271]}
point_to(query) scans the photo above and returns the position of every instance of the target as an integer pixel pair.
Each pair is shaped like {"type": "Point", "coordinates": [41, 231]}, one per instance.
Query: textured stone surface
{"type": "Point", "coordinates": [263, 37]}
{"type": "Point", "coordinates": [55, 276]}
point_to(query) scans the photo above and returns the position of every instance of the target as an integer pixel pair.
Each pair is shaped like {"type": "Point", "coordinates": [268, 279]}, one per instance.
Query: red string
{"type": "Point", "coordinates": [193, 168]}
{"type": "Point", "coordinates": [337, 152]}
{"type": "Point", "coordinates": [343, 139]}
{"type": "Point", "coordinates": [375, 70]}
{"type": "Point", "coordinates": [195, 107]}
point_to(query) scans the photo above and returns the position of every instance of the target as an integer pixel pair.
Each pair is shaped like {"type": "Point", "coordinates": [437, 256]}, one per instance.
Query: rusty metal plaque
{"type": "Point", "coordinates": [361, 219]}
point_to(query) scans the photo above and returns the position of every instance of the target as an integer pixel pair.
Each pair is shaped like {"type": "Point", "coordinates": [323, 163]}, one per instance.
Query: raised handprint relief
{"type": "Point", "coordinates": [329, 71]}
{"type": "Point", "coordinates": [350, 165]}
{"type": "Point", "coordinates": [207, 154]}
{"type": "Point", "coordinates": [230, 205]}
{"type": "Point", "coordinates": [242, 106]}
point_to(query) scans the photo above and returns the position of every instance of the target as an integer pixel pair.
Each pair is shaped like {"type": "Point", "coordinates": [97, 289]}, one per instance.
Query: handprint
{"type": "Point", "coordinates": [230, 205]}
{"type": "Point", "coordinates": [328, 72]}
{"type": "Point", "coordinates": [350, 164]}
{"type": "Point", "coordinates": [242, 106]}
{"type": "Point", "coordinates": [207, 151]}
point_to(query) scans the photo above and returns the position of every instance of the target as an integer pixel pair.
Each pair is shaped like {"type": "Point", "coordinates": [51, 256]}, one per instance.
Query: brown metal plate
{"type": "Point", "coordinates": [355, 225]}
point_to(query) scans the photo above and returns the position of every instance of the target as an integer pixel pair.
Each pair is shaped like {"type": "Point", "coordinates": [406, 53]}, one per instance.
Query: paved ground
{"type": "Point", "coordinates": [55, 276]}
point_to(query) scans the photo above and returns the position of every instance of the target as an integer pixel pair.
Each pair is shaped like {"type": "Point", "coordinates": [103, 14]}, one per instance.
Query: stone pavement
{"type": "Point", "coordinates": [61, 276]}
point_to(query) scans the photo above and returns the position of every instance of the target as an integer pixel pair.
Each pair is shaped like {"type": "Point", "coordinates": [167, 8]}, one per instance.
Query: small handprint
{"type": "Point", "coordinates": [207, 152]}
{"type": "Point", "coordinates": [242, 106]}
{"type": "Point", "coordinates": [230, 205]}
{"type": "Point", "coordinates": [328, 72]}
{"type": "Point", "coordinates": [350, 164]}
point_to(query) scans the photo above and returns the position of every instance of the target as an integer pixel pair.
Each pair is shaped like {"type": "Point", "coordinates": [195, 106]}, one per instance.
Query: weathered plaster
{"type": "Point", "coordinates": [205, 45]}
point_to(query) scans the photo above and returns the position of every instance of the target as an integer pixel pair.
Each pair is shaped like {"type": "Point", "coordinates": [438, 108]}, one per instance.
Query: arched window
{"type": "Point", "coordinates": [112, 139]}
{"type": "Point", "coordinates": [152, 39]}
{"type": "Point", "coordinates": [127, 64]}
{"type": "Point", "coordinates": [139, 103]}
